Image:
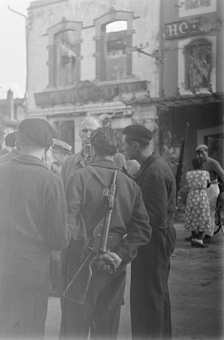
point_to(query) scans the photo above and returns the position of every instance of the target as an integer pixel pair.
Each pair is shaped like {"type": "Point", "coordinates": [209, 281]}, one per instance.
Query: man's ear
{"type": "Point", "coordinates": [135, 146]}
{"type": "Point", "coordinates": [80, 133]}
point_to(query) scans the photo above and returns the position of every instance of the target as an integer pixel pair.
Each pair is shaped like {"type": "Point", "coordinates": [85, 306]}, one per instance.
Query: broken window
{"type": "Point", "coordinates": [65, 59]}
{"type": "Point", "coordinates": [197, 65]}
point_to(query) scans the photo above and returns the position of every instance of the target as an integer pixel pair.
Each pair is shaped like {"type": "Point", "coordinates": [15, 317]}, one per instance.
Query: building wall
{"type": "Point", "coordinates": [45, 15]}
{"type": "Point", "coordinates": [179, 19]}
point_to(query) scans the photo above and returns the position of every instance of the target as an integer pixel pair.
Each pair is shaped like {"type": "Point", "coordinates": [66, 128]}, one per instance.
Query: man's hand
{"type": "Point", "coordinates": [108, 262]}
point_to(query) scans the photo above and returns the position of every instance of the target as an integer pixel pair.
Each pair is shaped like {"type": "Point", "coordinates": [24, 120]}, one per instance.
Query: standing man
{"type": "Point", "coordinates": [83, 158]}
{"type": "Point", "coordinates": [33, 222]}
{"type": "Point", "coordinates": [215, 170]}
{"type": "Point", "coordinates": [150, 303]}
{"type": "Point", "coordinates": [129, 229]}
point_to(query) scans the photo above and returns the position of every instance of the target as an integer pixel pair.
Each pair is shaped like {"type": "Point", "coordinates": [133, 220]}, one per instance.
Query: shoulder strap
{"type": "Point", "coordinates": [98, 177]}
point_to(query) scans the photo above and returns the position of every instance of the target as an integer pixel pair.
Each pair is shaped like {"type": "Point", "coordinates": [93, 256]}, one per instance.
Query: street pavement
{"type": "Point", "coordinates": [196, 291]}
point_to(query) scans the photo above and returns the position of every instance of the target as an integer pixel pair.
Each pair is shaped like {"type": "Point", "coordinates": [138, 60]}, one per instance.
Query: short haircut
{"type": "Point", "coordinates": [143, 142]}
{"type": "Point", "coordinates": [105, 141]}
{"type": "Point", "coordinates": [90, 119]}
{"type": "Point", "coordinates": [197, 163]}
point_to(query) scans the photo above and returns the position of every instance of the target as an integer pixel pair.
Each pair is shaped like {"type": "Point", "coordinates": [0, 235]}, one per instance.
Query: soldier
{"type": "Point", "coordinates": [150, 304]}
{"type": "Point", "coordinates": [33, 223]}
{"type": "Point", "coordinates": [129, 228]}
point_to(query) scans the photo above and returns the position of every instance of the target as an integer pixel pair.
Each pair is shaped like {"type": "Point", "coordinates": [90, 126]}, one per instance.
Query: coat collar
{"type": "Point", "coordinates": [31, 160]}
{"type": "Point", "coordinates": [149, 160]}
{"type": "Point", "coordinates": [105, 163]}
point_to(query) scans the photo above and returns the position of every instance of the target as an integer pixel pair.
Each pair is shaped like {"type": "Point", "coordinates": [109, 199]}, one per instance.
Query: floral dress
{"type": "Point", "coordinates": [197, 213]}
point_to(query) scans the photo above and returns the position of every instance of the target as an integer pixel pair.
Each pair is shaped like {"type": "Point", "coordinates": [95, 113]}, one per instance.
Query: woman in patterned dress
{"type": "Point", "coordinates": [197, 213]}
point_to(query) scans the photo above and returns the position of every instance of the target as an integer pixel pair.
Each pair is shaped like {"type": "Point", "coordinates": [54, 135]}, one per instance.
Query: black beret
{"type": "Point", "coordinates": [10, 139]}
{"type": "Point", "coordinates": [35, 130]}
{"type": "Point", "coordinates": [49, 127]}
{"type": "Point", "coordinates": [138, 131]}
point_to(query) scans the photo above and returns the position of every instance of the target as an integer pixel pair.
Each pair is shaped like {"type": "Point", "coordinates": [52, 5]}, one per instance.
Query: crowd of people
{"type": "Point", "coordinates": [53, 204]}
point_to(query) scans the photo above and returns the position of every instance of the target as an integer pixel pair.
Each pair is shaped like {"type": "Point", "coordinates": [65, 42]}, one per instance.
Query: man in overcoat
{"type": "Point", "coordinates": [150, 303]}
{"type": "Point", "coordinates": [129, 229]}
{"type": "Point", "coordinates": [33, 223]}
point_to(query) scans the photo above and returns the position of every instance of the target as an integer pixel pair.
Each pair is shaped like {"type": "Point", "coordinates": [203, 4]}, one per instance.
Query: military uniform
{"type": "Point", "coordinates": [150, 304]}
{"type": "Point", "coordinates": [129, 229]}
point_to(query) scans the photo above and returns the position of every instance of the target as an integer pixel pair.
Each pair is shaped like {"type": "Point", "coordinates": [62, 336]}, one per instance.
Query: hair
{"type": "Point", "coordinates": [143, 142]}
{"type": "Point", "coordinates": [105, 141]}
{"type": "Point", "coordinates": [197, 164]}
{"type": "Point", "coordinates": [90, 119]}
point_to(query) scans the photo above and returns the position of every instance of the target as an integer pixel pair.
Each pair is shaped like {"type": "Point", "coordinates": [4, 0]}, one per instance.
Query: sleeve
{"type": "Point", "coordinates": [58, 233]}
{"type": "Point", "coordinates": [75, 218]}
{"type": "Point", "coordinates": [139, 231]}
{"type": "Point", "coordinates": [155, 191]}
{"type": "Point", "coordinates": [63, 172]}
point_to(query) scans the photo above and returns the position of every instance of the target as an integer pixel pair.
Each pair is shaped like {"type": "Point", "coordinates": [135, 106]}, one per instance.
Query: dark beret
{"type": "Point", "coordinates": [10, 139]}
{"type": "Point", "coordinates": [138, 131]}
{"type": "Point", "coordinates": [49, 127]}
{"type": "Point", "coordinates": [36, 131]}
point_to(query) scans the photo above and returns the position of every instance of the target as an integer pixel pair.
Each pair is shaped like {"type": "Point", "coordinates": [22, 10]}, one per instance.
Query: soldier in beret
{"type": "Point", "coordinates": [33, 223]}
{"type": "Point", "coordinates": [149, 296]}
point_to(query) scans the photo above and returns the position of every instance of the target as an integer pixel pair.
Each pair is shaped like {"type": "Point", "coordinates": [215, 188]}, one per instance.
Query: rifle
{"type": "Point", "coordinates": [78, 287]}
{"type": "Point", "coordinates": [179, 171]}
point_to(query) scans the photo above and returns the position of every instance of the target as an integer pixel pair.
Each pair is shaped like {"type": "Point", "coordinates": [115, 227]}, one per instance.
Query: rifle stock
{"type": "Point", "coordinates": [78, 287]}
{"type": "Point", "coordinates": [179, 171]}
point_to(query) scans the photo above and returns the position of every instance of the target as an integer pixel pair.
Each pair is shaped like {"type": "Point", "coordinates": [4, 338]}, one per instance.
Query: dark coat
{"type": "Point", "coordinates": [149, 299]}
{"type": "Point", "coordinates": [158, 186]}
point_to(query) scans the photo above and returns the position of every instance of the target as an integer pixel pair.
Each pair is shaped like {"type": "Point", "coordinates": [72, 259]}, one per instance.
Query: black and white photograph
{"type": "Point", "coordinates": [112, 170]}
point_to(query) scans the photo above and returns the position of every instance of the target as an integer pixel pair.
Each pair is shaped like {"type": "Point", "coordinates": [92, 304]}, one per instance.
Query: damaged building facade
{"type": "Point", "coordinates": [157, 63]}
{"type": "Point", "coordinates": [83, 60]}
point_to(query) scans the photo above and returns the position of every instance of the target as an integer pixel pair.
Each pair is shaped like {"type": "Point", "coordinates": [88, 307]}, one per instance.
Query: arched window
{"type": "Point", "coordinates": [113, 46]}
{"type": "Point", "coordinates": [64, 53]}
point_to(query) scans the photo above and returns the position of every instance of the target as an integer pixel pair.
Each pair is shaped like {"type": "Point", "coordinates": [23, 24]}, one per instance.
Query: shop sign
{"type": "Point", "coordinates": [191, 27]}
{"type": "Point", "coordinates": [87, 92]}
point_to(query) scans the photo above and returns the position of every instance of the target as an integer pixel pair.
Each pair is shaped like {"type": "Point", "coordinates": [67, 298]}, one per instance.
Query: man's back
{"type": "Point", "coordinates": [29, 201]}
{"type": "Point", "coordinates": [86, 192]}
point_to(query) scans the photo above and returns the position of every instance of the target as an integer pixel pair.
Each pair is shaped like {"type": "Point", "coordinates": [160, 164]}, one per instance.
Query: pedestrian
{"type": "Point", "coordinates": [33, 222]}
{"type": "Point", "coordinates": [129, 229]}
{"type": "Point", "coordinates": [60, 151]}
{"type": "Point", "coordinates": [197, 212]}
{"type": "Point", "coordinates": [215, 170]}
{"type": "Point", "coordinates": [149, 296]}
{"type": "Point", "coordinates": [83, 158]}
{"type": "Point", "coordinates": [12, 144]}
{"type": "Point", "coordinates": [119, 159]}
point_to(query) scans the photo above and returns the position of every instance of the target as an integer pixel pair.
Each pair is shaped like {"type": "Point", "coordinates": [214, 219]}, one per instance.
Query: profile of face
{"type": "Point", "coordinates": [48, 158]}
{"type": "Point", "coordinates": [203, 155]}
{"type": "Point", "coordinates": [87, 127]}
{"type": "Point", "coordinates": [58, 156]}
{"type": "Point", "coordinates": [130, 149]}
